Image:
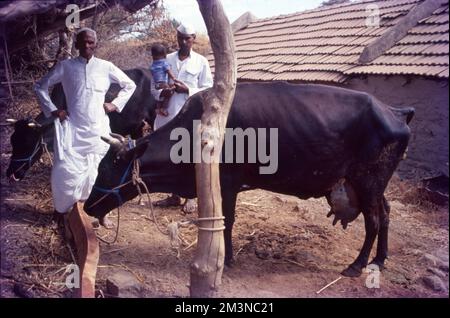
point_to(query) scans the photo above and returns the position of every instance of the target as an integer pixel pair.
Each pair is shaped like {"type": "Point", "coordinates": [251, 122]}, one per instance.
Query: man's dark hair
{"type": "Point", "coordinates": [158, 50]}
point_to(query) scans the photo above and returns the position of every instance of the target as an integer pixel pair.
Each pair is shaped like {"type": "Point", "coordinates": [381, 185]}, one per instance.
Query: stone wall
{"type": "Point", "coordinates": [429, 144]}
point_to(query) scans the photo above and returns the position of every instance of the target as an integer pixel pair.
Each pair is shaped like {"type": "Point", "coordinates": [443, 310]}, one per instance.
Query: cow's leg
{"type": "Point", "coordinates": [382, 246]}
{"type": "Point", "coordinates": [371, 222]}
{"type": "Point", "coordinates": [228, 207]}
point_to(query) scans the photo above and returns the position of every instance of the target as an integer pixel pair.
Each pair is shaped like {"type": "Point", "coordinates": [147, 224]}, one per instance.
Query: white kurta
{"type": "Point", "coordinates": [194, 72]}
{"type": "Point", "coordinates": [78, 147]}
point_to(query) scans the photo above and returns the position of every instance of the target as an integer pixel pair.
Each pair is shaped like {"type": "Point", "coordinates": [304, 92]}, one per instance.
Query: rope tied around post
{"type": "Point", "coordinates": [208, 229]}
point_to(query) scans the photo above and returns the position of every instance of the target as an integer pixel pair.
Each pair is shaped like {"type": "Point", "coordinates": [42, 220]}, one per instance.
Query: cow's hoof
{"type": "Point", "coordinates": [190, 206]}
{"type": "Point", "coordinates": [229, 262]}
{"type": "Point", "coordinates": [95, 223]}
{"type": "Point", "coordinates": [171, 201]}
{"type": "Point", "coordinates": [352, 271]}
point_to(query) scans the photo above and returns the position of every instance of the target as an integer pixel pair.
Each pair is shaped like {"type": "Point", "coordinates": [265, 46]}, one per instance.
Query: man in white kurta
{"type": "Point", "coordinates": [190, 69]}
{"type": "Point", "coordinates": [193, 75]}
{"type": "Point", "coordinates": [78, 147]}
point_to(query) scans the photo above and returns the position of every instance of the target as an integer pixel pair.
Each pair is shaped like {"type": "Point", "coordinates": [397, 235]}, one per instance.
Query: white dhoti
{"type": "Point", "coordinates": [74, 171]}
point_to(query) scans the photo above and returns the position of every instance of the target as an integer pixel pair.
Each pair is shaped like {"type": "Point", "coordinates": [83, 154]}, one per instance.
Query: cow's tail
{"type": "Point", "coordinates": [405, 112]}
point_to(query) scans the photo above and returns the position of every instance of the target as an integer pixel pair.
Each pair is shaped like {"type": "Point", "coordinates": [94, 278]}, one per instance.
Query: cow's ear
{"type": "Point", "coordinates": [136, 152]}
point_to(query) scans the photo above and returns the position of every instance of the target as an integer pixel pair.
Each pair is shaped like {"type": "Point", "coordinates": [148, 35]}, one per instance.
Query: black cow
{"type": "Point", "coordinates": [29, 134]}
{"type": "Point", "coordinates": [333, 142]}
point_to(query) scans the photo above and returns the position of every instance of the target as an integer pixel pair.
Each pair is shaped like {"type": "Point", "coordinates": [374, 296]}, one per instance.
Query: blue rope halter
{"type": "Point", "coordinates": [30, 158]}
{"type": "Point", "coordinates": [116, 190]}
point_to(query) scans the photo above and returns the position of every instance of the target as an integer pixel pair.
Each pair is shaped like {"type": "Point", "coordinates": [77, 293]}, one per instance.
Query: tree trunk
{"type": "Point", "coordinates": [65, 44]}
{"type": "Point", "coordinates": [207, 266]}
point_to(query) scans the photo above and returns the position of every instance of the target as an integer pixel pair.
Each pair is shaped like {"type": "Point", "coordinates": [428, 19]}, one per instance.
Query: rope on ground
{"type": "Point", "coordinates": [137, 181]}
{"type": "Point", "coordinates": [172, 228]}
{"type": "Point", "coordinates": [45, 148]}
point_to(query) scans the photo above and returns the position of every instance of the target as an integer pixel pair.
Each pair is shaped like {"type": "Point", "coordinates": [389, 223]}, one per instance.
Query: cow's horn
{"type": "Point", "coordinates": [119, 137]}
{"type": "Point", "coordinates": [111, 141]}
{"type": "Point", "coordinates": [34, 124]}
{"type": "Point", "coordinates": [11, 120]}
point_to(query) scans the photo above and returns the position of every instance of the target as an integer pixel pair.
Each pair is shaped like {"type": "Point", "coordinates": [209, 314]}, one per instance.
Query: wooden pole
{"type": "Point", "coordinates": [397, 32]}
{"type": "Point", "coordinates": [8, 70]}
{"type": "Point", "coordinates": [207, 266]}
{"type": "Point", "coordinates": [88, 250]}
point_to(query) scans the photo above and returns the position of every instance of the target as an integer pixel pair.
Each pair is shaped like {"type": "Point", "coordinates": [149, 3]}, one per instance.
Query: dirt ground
{"type": "Point", "coordinates": [284, 247]}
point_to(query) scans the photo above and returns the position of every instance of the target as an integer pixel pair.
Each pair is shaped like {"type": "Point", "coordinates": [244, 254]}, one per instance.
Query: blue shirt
{"type": "Point", "coordinates": [159, 70]}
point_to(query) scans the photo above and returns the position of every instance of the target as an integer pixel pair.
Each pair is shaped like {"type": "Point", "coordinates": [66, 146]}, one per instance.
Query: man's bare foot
{"type": "Point", "coordinates": [106, 222]}
{"type": "Point", "coordinates": [190, 206]}
{"type": "Point", "coordinates": [173, 200]}
{"type": "Point", "coordinates": [62, 224]}
{"type": "Point", "coordinates": [58, 218]}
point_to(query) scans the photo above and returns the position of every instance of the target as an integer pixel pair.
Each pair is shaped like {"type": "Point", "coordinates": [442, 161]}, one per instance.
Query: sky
{"type": "Point", "coordinates": [187, 10]}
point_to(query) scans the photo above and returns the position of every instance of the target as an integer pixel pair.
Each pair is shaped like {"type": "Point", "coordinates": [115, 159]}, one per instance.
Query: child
{"type": "Point", "coordinates": [161, 73]}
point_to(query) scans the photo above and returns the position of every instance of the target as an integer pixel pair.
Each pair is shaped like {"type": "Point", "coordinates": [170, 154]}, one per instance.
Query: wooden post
{"type": "Point", "coordinates": [398, 31]}
{"type": "Point", "coordinates": [207, 266]}
{"type": "Point", "coordinates": [87, 250]}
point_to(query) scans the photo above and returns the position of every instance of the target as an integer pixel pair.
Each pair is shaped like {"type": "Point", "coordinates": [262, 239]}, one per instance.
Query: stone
{"type": "Point", "coordinates": [435, 283]}
{"type": "Point", "coordinates": [436, 272]}
{"type": "Point", "coordinates": [431, 259]}
{"type": "Point", "coordinates": [262, 254]}
{"type": "Point", "coordinates": [280, 199]}
{"type": "Point", "coordinates": [124, 285]}
{"type": "Point", "coordinates": [435, 262]}
{"type": "Point", "coordinates": [23, 291]}
{"type": "Point", "coordinates": [443, 266]}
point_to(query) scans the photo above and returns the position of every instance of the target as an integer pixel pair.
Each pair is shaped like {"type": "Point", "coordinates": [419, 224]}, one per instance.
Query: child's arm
{"type": "Point", "coordinates": [171, 75]}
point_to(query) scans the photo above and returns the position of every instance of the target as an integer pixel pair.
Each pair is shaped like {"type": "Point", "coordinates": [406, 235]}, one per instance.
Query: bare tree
{"type": "Point", "coordinates": [65, 44]}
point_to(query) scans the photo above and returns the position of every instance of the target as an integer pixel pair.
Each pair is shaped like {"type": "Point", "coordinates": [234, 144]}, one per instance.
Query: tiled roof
{"type": "Point", "coordinates": [325, 44]}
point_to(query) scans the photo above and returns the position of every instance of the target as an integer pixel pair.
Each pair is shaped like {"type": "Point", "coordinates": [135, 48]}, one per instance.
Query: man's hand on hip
{"type": "Point", "coordinates": [61, 114]}
{"type": "Point", "coordinates": [109, 107]}
{"type": "Point", "coordinates": [180, 87]}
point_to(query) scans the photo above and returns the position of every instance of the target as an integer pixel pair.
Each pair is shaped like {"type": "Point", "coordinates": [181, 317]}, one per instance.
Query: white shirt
{"type": "Point", "coordinates": [194, 72]}
{"type": "Point", "coordinates": [85, 85]}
